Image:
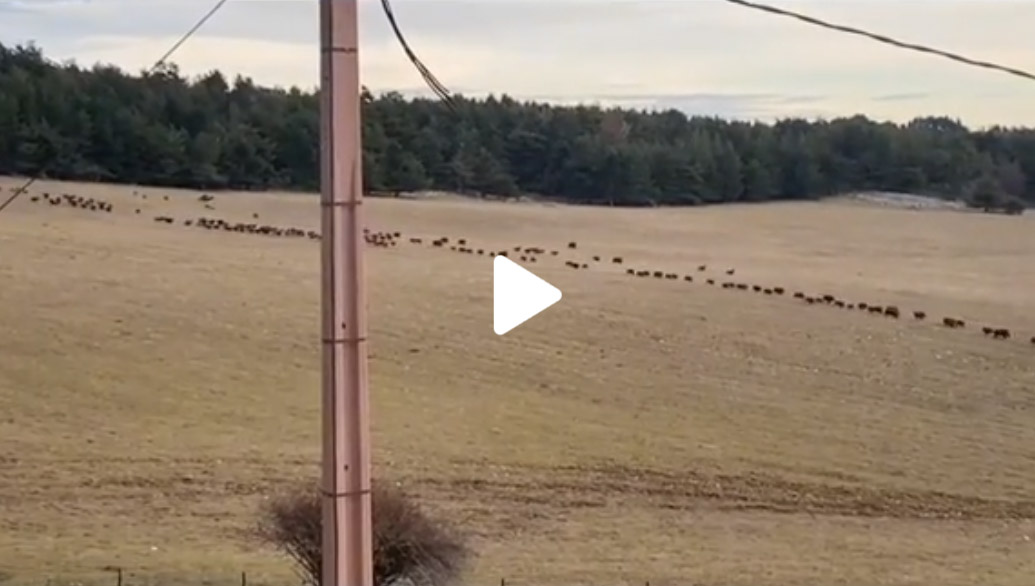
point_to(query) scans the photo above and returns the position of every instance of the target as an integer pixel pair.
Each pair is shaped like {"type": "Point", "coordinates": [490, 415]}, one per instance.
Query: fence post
{"type": "Point", "coordinates": [244, 579]}
{"type": "Point", "coordinates": [119, 576]}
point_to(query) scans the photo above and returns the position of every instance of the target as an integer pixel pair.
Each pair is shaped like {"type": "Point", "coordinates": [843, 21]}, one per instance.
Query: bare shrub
{"type": "Point", "coordinates": [408, 545]}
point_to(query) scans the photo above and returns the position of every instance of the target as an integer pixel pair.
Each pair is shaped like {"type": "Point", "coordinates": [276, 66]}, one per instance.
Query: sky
{"type": "Point", "coordinates": [705, 57]}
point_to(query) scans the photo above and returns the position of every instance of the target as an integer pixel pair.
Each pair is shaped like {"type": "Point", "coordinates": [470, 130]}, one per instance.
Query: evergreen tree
{"type": "Point", "coordinates": [103, 124]}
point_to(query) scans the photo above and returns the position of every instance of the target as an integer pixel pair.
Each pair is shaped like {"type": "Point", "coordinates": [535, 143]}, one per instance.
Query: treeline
{"type": "Point", "coordinates": [102, 124]}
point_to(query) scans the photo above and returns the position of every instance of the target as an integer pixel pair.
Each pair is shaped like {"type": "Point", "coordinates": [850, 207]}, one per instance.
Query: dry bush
{"type": "Point", "coordinates": [408, 545]}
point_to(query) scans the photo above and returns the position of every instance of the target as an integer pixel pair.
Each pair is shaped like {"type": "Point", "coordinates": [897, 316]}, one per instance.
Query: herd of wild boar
{"type": "Point", "coordinates": [525, 254]}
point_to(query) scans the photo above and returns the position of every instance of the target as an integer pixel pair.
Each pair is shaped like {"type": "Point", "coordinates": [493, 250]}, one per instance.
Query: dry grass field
{"type": "Point", "coordinates": [158, 381]}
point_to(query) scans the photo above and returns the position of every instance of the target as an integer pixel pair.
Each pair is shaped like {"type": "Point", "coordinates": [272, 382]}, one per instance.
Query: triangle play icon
{"type": "Point", "coordinates": [517, 295]}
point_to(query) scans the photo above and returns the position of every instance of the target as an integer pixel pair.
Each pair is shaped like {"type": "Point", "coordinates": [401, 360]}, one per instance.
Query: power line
{"type": "Point", "coordinates": [190, 33]}
{"type": "Point", "coordinates": [161, 60]}
{"type": "Point", "coordinates": [429, 78]}
{"type": "Point", "coordinates": [884, 39]}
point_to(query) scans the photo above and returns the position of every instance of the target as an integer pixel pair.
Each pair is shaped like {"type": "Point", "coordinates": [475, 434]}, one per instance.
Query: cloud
{"type": "Point", "coordinates": [35, 6]}
{"type": "Point", "coordinates": [901, 97]}
{"type": "Point", "coordinates": [703, 57]}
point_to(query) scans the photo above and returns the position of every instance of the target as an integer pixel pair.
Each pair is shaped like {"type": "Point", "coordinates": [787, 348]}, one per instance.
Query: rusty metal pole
{"type": "Point", "coordinates": [347, 539]}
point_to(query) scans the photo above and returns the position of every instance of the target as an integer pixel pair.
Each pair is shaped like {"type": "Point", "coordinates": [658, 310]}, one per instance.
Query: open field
{"type": "Point", "coordinates": [157, 381]}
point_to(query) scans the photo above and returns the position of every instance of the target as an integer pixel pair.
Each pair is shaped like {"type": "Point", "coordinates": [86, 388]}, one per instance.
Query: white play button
{"type": "Point", "coordinates": [517, 295]}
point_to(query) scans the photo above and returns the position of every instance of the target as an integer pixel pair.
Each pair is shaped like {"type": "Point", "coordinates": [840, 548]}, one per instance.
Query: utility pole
{"type": "Point", "coordinates": [347, 539]}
